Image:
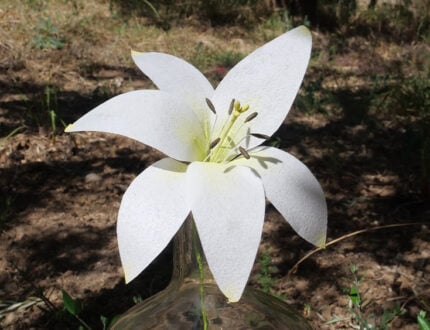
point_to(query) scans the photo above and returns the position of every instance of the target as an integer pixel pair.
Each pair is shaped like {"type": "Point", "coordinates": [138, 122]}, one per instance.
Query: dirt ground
{"type": "Point", "coordinates": [60, 196]}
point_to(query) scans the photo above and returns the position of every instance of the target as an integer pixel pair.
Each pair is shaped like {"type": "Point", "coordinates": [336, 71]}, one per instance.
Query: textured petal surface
{"type": "Point", "coordinates": [174, 75]}
{"type": "Point", "coordinates": [152, 210]}
{"type": "Point", "coordinates": [155, 118]}
{"type": "Point", "coordinates": [268, 80]}
{"type": "Point", "coordinates": [293, 191]}
{"type": "Point", "coordinates": [228, 207]}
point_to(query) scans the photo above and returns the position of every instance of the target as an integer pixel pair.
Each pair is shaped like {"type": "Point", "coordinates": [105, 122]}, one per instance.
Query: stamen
{"type": "Point", "coordinates": [244, 153]}
{"type": "Point", "coordinates": [221, 148]}
{"type": "Point", "coordinates": [260, 136]}
{"type": "Point", "coordinates": [230, 109]}
{"type": "Point", "coordinates": [234, 147]}
{"type": "Point", "coordinates": [214, 143]}
{"type": "Point", "coordinates": [211, 106]}
{"type": "Point", "coordinates": [251, 117]}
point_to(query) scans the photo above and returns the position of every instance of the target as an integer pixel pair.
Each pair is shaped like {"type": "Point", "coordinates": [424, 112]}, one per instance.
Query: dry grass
{"type": "Point", "coordinates": [94, 35]}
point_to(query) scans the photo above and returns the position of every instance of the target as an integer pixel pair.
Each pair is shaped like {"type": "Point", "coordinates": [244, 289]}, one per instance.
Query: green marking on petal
{"type": "Point", "coordinates": [68, 128]}
{"type": "Point", "coordinates": [321, 241]}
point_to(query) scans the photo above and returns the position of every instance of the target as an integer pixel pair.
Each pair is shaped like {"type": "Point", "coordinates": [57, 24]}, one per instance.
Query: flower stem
{"type": "Point", "coordinates": [202, 278]}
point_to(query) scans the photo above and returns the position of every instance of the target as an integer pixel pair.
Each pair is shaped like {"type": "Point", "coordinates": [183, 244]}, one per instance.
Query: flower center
{"type": "Point", "coordinates": [225, 145]}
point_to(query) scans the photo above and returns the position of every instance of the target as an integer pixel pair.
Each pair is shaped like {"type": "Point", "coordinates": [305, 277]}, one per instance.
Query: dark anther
{"type": "Point", "coordinates": [214, 143]}
{"type": "Point", "coordinates": [261, 136]}
{"type": "Point", "coordinates": [244, 153]}
{"type": "Point", "coordinates": [251, 117]}
{"type": "Point", "coordinates": [230, 109]}
{"type": "Point", "coordinates": [211, 105]}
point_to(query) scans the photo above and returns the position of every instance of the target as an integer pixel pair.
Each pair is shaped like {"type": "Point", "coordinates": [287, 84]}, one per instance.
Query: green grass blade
{"type": "Point", "coordinates": [423, 323]}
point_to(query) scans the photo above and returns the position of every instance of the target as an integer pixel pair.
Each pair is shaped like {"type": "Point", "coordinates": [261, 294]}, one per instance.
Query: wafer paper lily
{"type": "Point", "coordinates": [216, 168]}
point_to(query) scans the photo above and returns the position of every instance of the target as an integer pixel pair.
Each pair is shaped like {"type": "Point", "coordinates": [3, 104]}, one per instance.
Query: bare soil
{"type": "Point", "coordinates": [60, 196]}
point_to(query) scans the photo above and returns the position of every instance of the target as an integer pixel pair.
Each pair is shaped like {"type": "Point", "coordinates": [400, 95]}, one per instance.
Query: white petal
{"type": "Point", "coordinates": [152, 210]}
{"type": "Point", "coordinates": [155, 118]}
{"type": "Point", "coordinates": [228, 208]}
{"type": "Point", "coordinates": [174, 75]}
{"type": "Point", "coordinates": [293, 191]}
{"type": "Point", "coordinates": [268, 80]}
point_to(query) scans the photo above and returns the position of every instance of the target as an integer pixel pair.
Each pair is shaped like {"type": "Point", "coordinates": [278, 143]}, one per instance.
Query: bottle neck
{"type": "Point", "coordinates": [189, 262]}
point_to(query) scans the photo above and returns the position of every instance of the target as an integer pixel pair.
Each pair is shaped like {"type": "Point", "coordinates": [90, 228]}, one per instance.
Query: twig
{"type": "Point", "coordinates": [355, 233]}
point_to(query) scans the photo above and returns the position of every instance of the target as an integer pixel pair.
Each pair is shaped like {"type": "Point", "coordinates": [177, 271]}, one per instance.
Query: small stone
{"type": "Point", "coordinates": [92, 177]}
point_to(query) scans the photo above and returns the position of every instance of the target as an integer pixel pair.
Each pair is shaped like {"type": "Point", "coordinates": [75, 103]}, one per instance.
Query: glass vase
{"type": "Point", "coordinates": [192, 300]}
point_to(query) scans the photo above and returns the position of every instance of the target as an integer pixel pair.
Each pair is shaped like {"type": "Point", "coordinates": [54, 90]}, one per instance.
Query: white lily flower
{"type": "Point", "coordinates": [215, 168]}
